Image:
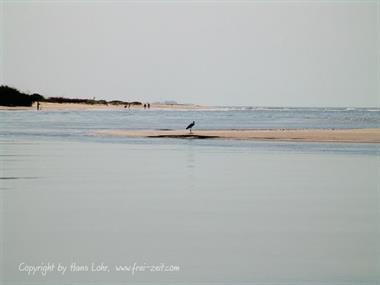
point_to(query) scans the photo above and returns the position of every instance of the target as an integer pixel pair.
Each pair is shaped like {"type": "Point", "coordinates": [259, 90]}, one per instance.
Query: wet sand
{"type": "Point", "coordinates": [302, 135]}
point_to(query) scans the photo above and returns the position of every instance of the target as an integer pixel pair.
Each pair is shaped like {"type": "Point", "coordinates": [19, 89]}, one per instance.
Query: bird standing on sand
{"type": "Point", "coordinates": [190, 126]}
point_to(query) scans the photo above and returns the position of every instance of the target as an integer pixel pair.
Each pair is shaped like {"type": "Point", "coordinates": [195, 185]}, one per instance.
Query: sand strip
{"type": "Point", "coordinates": [79, 106]}
{"type": "Point", "coordinates": [308, 135]}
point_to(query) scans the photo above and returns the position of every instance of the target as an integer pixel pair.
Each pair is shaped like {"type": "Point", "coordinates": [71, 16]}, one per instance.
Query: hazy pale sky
{"type": "Point", "coordinates": [259, 53]}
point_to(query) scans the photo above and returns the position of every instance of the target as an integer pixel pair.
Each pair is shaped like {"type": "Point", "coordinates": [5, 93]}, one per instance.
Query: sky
{"type": "Point", "coordinates": [256, 53]}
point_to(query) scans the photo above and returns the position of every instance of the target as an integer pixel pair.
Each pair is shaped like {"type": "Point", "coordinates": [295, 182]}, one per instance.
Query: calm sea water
{"type": "Point", "coordinates": [220, 211]}
{"type": "Point", "coordinates": [74, 123]}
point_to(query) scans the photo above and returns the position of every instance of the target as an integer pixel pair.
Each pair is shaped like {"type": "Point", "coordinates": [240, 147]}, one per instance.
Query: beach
{"type": "Point", "coordinates": [189, 142]}
{"type": "Point", "coordinates": [301, 135]}
{"type": "Point", "coordinates": [82, 106]}
{"type": "Point", "coordinates": [280, 194]}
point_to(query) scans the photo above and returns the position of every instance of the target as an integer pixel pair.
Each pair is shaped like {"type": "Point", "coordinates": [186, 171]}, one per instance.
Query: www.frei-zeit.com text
{"type": "Point", "coordinates": [45, 268]}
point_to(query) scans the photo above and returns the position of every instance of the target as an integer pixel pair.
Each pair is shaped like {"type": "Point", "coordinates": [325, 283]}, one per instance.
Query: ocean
{"type": "Point", "coordinates": [185, 211]}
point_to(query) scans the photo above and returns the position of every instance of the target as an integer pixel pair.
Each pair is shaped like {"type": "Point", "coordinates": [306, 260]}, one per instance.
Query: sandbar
{"type": "Point", "coordinates": [368, 135]}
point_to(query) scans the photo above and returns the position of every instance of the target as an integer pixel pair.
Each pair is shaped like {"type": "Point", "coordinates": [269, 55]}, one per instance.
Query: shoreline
{"type": "Point", "coordinates": [154, 106]}
{"type": "Point", "coordinates": [293, 135]}
{"type": "Point", "coordinates": [81, 106]}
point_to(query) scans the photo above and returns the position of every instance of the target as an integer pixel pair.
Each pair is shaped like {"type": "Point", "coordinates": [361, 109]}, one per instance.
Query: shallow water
{"type": "Point", "coordinates": [224, 211]}
{"type": "Point", "coordinates": [76, 123]}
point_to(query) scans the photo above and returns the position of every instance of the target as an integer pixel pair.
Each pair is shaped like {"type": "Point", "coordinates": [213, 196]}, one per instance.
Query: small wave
{"type": "Point", "coordinates": [14, 178]}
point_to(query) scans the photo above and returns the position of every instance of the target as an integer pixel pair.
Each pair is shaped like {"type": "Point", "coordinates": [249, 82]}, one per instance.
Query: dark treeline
{"type": "Point", "coordinates": [74, 100]}
{"type": "Point", "coordinates": [12, 97]}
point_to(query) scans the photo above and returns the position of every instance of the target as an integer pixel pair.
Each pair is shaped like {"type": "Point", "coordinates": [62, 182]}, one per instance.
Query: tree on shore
{"type": "Point", "coordinates": [11, 97]}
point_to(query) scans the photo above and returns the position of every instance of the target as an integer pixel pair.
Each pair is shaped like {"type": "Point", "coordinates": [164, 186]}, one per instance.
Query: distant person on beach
{"type": "Point", "coordinates": [38, 106]}
{"type": "Point", "coordinates": [144, 106]}
{"type": "Point", "coordinates": [148, 105]}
